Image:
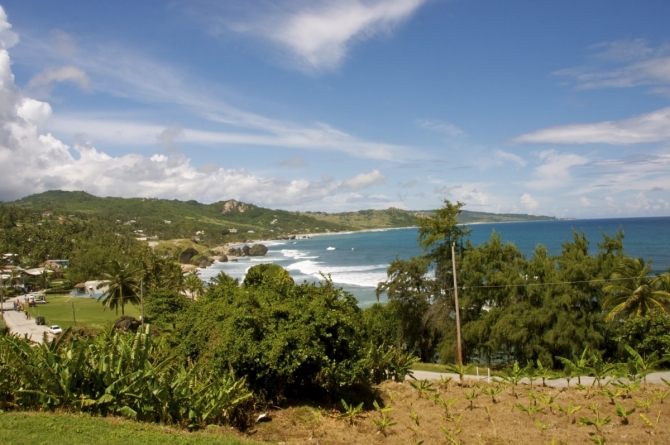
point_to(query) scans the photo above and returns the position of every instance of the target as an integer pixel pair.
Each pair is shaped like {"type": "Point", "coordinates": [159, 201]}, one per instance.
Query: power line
{"type": "Point", "coordinates": [500, 286]}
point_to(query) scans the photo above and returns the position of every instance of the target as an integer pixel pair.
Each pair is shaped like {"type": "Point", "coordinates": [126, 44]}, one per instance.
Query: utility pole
{"type": "Point", "coordinates": [2, 296]}
{"type": "Point", "coordinates": [458, 316]}
{"type": "Point", "coordinates": [74, 316]}
{"type": "Point", "coordinates": [142, 302]}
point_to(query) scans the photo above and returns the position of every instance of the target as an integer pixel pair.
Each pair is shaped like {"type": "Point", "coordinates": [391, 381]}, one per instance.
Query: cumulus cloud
{"type": "Point", "coordinates": [8, 38]}
{"type": "Point", "coordinates": [318, 34]}
{"type": "Point", "coordinates": [365, 180]}
{"type": "Point", "coordinates": [32, 161]}
{"type": "Point", "coordinates": [650, 127]}
{"type": "Point", "coordinates": [529, 202]}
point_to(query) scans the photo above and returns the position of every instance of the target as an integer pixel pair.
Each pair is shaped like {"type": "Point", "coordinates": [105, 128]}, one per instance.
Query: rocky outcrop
{"type": "Point", "coordinates": [233, 206]}
{"type": "Point", "coordinates": [201, 261]}
{"type": "Point", "coordinates": [255, 250]}
{"type": "Point", "coordinates": [258, 250]}
{"type": "Point", "coordinates": [186, 255]}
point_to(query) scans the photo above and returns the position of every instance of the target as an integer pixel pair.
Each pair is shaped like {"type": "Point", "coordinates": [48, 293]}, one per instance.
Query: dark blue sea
{"type": "Point", "coordinates": [358, 261]}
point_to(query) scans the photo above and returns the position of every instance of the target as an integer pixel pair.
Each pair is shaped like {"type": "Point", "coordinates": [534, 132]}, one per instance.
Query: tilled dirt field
{"type": "Point", "coordinates": [443, 413]}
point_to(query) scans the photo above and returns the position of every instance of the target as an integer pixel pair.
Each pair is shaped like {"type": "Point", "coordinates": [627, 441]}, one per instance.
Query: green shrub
{"type": "Point", "coordinates": [283, 337]}
{"type": "Point", "coordinates": [3, 327]}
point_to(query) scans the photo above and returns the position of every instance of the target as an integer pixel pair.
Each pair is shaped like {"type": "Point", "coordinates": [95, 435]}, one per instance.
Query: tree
{"type": "Point", "coordinates": [632, 293]}
{"type": "Point", "coordinates": [123, 286]}
{"type": "Point", "coordinates": [411, 293]}
{"type": "Point", "coordinates": [164, 307]}
{"type": "Point", "coordinates": [194, 285]}
{"type": "Point", "coordinates": [436, 235]}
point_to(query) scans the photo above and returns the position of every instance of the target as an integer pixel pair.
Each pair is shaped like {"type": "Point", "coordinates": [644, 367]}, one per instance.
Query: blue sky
{"type": "Point", "coordinates": [557, 108]}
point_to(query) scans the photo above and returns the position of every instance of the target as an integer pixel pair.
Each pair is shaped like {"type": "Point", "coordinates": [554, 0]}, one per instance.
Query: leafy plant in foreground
{"type": "Point", "coordinates": [492, 391]}
{"type": "Point", "coordinates": [350, 411]}
{"type": "Point", "coordinates": [386, 421]}
{"type": "Point", "coordinates": [623, 413]}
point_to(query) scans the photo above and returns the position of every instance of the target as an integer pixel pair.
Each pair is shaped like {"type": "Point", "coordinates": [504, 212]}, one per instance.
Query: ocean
{"type": "Point", "coordinates": [358, 261]}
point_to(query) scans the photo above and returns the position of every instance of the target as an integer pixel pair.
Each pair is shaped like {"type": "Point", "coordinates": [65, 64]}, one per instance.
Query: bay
{"type": "Point", "coordinates": [358, 261]}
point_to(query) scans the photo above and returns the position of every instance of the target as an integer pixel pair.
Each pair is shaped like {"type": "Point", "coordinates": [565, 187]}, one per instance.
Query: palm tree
{"type": "Point", "coordinates": [194, 285]}
{"type": "Point", "coordinates": [123, 286]}
{"type": "Point", "coordinates": [631, 292]}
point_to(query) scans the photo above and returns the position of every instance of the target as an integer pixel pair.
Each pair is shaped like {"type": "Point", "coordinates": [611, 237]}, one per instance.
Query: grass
{"type": "Point", "coordinates": [72, 429]}
{"type": "Point", "coordinates": [89, 312]}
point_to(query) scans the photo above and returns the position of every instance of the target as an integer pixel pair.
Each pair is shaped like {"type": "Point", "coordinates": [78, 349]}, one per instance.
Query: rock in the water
{"type": "Point", "coordinates": [223, 258]}
{"type": "Point", "coordinates": [258, 250]}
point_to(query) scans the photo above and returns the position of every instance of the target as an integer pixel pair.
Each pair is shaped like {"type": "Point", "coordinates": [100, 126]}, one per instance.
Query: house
{"type": "Point", "coordinates": [232, 230]}
{"type": "Point", "coordinates": [46, 214]}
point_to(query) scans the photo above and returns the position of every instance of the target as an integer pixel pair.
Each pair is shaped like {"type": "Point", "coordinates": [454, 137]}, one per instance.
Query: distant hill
{"type": "Point", "coordinates": [390, 218]}
{"type": "Point", "coordinates": [225, 220]}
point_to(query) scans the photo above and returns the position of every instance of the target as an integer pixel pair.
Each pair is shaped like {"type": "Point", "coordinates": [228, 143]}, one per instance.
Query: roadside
{"type": "Point", "coordinates": [18, 324]}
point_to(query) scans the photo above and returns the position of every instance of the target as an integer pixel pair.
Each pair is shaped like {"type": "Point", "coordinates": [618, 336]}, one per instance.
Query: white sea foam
{"type": "Point", "coordinates": [297, 254]}
{"type": "Point", "coordinates": [364, 276]}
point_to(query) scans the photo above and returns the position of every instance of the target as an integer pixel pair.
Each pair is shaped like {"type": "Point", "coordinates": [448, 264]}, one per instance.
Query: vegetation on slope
{"type": "Point", "coordinates": [226, 221]}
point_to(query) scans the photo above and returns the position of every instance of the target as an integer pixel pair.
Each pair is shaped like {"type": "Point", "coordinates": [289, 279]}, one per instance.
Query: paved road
{"type": "Point", "coordinates": [654, 377]}
{"type": "Point", "coordinates": [18, 324]}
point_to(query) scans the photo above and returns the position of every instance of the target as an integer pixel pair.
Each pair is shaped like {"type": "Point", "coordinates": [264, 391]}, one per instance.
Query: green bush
{"type": "Point", "coordinates": [647, 334]}
{"type": "Point", "coordinates": [284, 338]}
{"type": "Point", "coordinates": [3, 327]}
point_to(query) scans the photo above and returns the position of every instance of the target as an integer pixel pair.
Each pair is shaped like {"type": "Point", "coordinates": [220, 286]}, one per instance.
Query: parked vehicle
{"type": "Point", "coordinates": [55, 329]}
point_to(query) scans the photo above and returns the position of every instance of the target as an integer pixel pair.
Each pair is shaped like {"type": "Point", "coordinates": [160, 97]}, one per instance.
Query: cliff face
{"type": "Point", "coordinates": [233, 206]}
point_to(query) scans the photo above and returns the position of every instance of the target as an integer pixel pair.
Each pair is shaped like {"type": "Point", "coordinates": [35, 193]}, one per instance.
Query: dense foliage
{"type": "Point", "coordinates": [130, 375]}
{"type": "Point", "coordinates": [283, 336]}
{"type": "Point", "coordinates": [513, 307]}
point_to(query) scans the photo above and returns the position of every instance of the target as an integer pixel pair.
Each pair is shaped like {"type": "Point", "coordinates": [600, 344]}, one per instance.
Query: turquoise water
{"type": "Point", "coordinates": [358, 261]}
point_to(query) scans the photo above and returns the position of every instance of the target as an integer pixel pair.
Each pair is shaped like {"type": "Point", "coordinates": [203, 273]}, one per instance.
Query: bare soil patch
{"type": "Point", "coordinates": [519, 415]}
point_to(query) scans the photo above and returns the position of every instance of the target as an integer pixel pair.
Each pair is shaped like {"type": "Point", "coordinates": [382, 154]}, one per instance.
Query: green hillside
{"type": "Point", "coordinates": [170, 219]}
{"type": "Point", "coordinates": [377, 219]}
{"type": "Point", "coordinates": [222, 221]}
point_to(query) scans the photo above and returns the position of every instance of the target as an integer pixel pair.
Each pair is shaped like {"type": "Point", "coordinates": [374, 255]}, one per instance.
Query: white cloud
{"type": "Point", "coordinates": [8, 38]}
{"type": "Point", "coordinates": [555, 171]}
{"type": "Point", "coordinates": [510, 157]}
{"type": "Point", "coordinates": [365, 180]}
{"type": "Point", "coordinates": [441, 127]}
{"type": "Point", "coordinates": [318, 34]}
{"type": "Point", "coordinates": [32, 161]}
{"type": "Point", "coordinates": [126, 74]}
{"type": "Point", "coordinates": [63, 74]}
{"type": "Point", "coordinates": [529, 202]}
{"type": "Point", "coordinates": [584, 201]}
{"type": "Point", "coordinates": [650, 127]}
{"type": "Point", "coordinates": [622, 64]}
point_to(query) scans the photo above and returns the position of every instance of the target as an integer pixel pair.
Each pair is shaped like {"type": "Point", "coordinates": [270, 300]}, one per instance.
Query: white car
{"type": "Point", "coordinates": [55, 329]}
